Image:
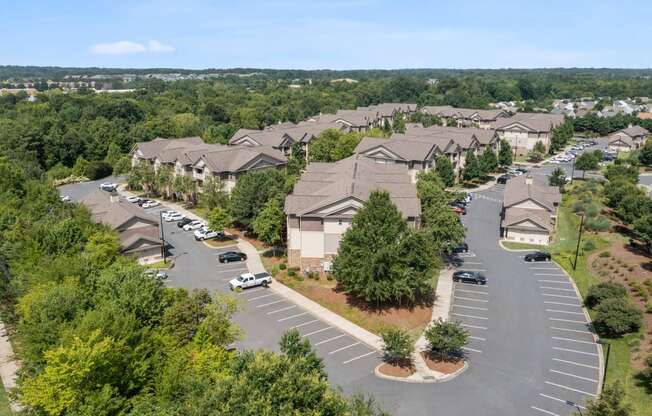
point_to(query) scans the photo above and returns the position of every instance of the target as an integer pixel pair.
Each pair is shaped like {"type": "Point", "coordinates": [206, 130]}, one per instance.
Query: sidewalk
{"type": "Point", "coordinates": [9, 366]}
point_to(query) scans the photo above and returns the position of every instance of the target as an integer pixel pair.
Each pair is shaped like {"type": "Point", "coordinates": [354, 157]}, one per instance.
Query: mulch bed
{"type": "Point", "coordinates": [446, 366]}
{"type": "Point", "coordinates": [396, 370]}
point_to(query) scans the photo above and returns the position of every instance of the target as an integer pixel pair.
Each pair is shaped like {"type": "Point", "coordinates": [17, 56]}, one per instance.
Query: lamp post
{"type": "Point", "coordinates": [160, 219]}
{"type": "Point", "coordinates": [573, 171]}
{"type": "Point", "coordinates": [579, 239]}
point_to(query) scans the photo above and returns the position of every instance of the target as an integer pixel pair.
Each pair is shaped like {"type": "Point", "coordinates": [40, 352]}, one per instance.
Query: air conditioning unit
{"type": "Point", "coordinates": [327, 265]}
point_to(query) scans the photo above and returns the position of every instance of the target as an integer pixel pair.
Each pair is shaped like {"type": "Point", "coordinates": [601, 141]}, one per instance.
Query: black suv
{"type": "Point", "coordinates": [230, 256]}
{"type": "Point", "coordinates": [460, 248]}
{"type": "Point", "coordinates": [538, 256]}
{"type": "Point", "coordinates": [503, 179]}
{"type": "Point", "coordinates": [469, 277]}
{"type": "Point", "coordinates": [183, 222]}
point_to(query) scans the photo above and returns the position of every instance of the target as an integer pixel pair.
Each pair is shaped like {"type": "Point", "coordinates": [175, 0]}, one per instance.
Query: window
{"type": "Point", "coordinates": [339, 221]}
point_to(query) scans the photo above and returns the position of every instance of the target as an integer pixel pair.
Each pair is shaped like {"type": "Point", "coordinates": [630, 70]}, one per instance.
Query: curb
{"type": "Point", "coordinates": [515, 250]}
{"type": "Point", "coordinates": [416, 378]}
{"type": "Point", "coordinates": [217, 248]}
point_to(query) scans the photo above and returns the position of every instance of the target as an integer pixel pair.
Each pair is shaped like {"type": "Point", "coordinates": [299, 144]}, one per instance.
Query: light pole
{"type": "Point", "coordinates": [573, 170]}
{"type": "Point", "coordinates": [579, 238]}
{"type": "Point", "coordinates": [160, 220]}
{"type": "Point", "coordinates": [606, 361]}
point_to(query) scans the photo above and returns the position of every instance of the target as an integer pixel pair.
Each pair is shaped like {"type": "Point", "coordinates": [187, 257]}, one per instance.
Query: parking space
{"type": "Point", "coordinates": [573, 369]}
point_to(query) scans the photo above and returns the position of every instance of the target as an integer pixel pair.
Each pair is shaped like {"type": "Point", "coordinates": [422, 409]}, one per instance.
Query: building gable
{"type": "Point", "coordinates": [135, 222]}
{"type": "Point", "coordinates": [529, 203]}
{"type": "Point", "coordinates": [528, 223]}
{"type": "Point", "coordinates": [516, 127]}
{"type": "Point", "coordinates": [246, 141]}
{"type": "Point", "coordinates": [381, 152]}
{"type": "Point", "coordinates": [345, 207]}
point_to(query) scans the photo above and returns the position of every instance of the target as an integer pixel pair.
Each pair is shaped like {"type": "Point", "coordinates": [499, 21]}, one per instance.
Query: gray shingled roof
{"type": "Point", "coordinates": [325, 183]}
{"type": "Point", "coordinates": [151, 148]}
{"type": "Point", "coordinates": [414, 150]}
{"type": "Point", "coordinates": [635, 131]}
{"type": "Point", "coordinates": [539, 122]}
{"type": "Point", "coordinates": [516, 190]}
{"type": "Point", "coordinates": [236, 158]}
{"type": "Point", "coordinates": [270, 137]}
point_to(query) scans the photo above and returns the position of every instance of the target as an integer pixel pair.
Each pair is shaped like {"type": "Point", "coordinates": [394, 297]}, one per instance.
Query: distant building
{"type": "Point", "coordinates": [628, 139]}
{"type": "Point", "coordinates": [524, 130]}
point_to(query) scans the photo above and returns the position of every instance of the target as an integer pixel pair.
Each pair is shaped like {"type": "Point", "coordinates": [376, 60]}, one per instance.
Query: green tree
{"type": "Point", "coordinates": [488, 161]}
{"type": "Point", "coordinates": [614, 171]}
{"type": "Point", "coordinates": [444, 169]}
{"type": "Point", "coordinates": [610, 402]}
{"type": "Point", "coordinates": [558, 178]}
{"type": "Point", "coordinates": [398, 125]}
{"type": "Point", "coordinates": [252, 192]}
{"type": "Point", "coordinates": [446, 337]}
{"type": "Point", "coordinates": [379, 258]}
{"type": "Point", "coordinates": [296, 348]}
{"type": "Point", "coordinates": [102, 249]}
{"type": "Point", "coordinates": [603, 291]}
{"type": "Point", "coordinates": [586, 161]}
{"type": "Point", "coordinates": [269, 223]}
{"type": "Point", "coordinates": [397, 346]}
{"type": "Point", "coordinates": [505, 153]}
{"type": "Point", "coordinates": [616, 317]}
{"type": "Point", "coordinates": [219, 219]}
{"type": "Point", "coordinates": [214, 194]}
{"type": "Point", "coordinates": [645, 155]}
{"type": "Point", "coordinates": [643, 230]}
{"type": "Point", "coordinates": [164, 178]}
{"type": "Point", "coordinates": [472, 168]}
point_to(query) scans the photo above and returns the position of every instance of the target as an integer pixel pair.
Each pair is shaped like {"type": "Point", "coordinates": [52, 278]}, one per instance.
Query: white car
{"type": "Point", "coordinates": [205, 233]}
{"type": "Point", "coordinates": [250, 280]}
{"type": "Point", "coordinates": [196, 224]}
{"type": "Point", "coordinates": [174, 217]}
{"type": "Point", "coordinates": [108, 186]}
{"type": "Point", "coordinates": [151, 204]}
{"type": "Point", "coordinates": [133, 199]}
{"type": "Point", "coordinates": [166, 214]}
{"type": "Point", "coordinates": [65, 198]}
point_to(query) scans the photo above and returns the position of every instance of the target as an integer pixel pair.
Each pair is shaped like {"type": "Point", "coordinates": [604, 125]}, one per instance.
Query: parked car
{"type": "Point", "coordinates": [250, 280]}
{"type": "Point", "coordinates": [133, 199]}
{"type": "Point", "coordinates": [108, 186]}
{"type": "Point", "coordinates": [174, 217]}
{"type": "Point", "coordinates": [458, 203]}
{"type": "Point", "coordinates": [460, 248]}
{"type": "Point", "coordinates": [467, 198]}
{"type": "Point", "coordinates": [229, 256]}
{"type": "Point", "coordinates": [522, 170]}
{"type": "Point", "coordinates": [469, 277]}
{"type": "Point", "coordinates": [459, 210]}
{"type": "Point", "coordinates": [166, 214]}
{"type": "Point", "coordinates": [538, 256]}
{"type": "Point", "coordinates": [193, 225]}
{"type": "Point", "coordinates": [161, 274]}
{"type": "Point", "coordinates": [205, 233]}
{"type": "Point", "coordinates": [151, 204]}
{"type": "Point", "coordinates": [184, 221]}
{"type": "Point", "coordinates": [503, 179]}
{"type": "Point", "coordinates": [65, 198]}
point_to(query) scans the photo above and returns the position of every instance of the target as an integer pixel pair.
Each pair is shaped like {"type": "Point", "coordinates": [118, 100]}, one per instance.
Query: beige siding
{"type": "Point", "coordinates": [312, 224]}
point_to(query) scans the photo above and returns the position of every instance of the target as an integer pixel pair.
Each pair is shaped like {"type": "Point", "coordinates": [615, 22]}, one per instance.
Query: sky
{"type": "Point", "coordinates": [326, 34]}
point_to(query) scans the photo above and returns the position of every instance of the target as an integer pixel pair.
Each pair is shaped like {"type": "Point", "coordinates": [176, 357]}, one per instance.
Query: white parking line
{"type": "Point", "coordinates": [316, 332]}
{"type": "Point", "coordinates": [556, 288]}
{"type": "Point", "coordinates": [562, 401]}
{"type": "Point", "coordinates": [471, 291]}
{"type": "Point", "coordinates": [544, 268]}
{"type": "Point", "coordinates": [549, 274]}
{"type": "Point", "coordinates": [573, 340]}
{"type": "Point", "coordinates": [559, 311]}
{"type": "Point", "coordinates": [358, 357]}
{"type": "Point", "coordinates": [304, 324]}
{"type": "Point", "coordinates": [293, 316]}
{"type": "Point", "coordinates": [577, 364]}
{"type": "Point", "coordinates": [572, 330]}
{"type": "Point", "coordinates": [544, 411]}
{"type": "Point", "coordinates": [469, 316]}
{"type": "Point", "coordinates": [471, 349]}
{"type": "Point", "coordinates": [561, 303]}
{"type": "Point", "coordinates": [554, 281]}
{"type": "Point", "coordinates": [260, 297]}
{"type": "Point", "coordinates": [254, 290]}
{"type": "Point", "coordinates": [573, 375]}
{"type": "Point", "coordinates": [477, 338]}
{"type": "Point", "coordinates": [472, 262]}
{"type": "Point", "coordinates": [560, 296]}
{"type": "Point", "coordinates": [571, 389]}
{"type": "Point", "coordinates": [270, 303]}
{"type": "Point", "coordinates": [474, 326]}
{"type": "Point", "coordinates": [470, 307]}
{"type": "Point", "coordinates": [567, 320]}
{"type": "Point", "coordinates": [471, 299]}
{"type": "Point", "coordinates": [344, 348]}
{"type": "Point", "coordinates": [575, 351]}
{"type": "Point", "coordinates": [330, 339]}
{"type": "Point", "coordinates": [281, 310]}
{"type": "Point", "coordinates": [474, 270]}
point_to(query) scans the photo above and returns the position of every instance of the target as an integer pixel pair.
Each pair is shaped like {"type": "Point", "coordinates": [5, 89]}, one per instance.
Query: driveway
{"type": "Point", "coordinates": [531, 351]}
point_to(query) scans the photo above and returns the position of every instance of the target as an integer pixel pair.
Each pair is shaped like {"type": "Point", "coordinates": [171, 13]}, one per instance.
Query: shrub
{"type": "Point", "coordinates": [397, 345]}
{"type": "Point", "coordinates": [617, 317]}
{"type": "Point", "coordinates": [292, 272]}
{"type": "Point", "coordinates": [59, 171]}
{"type": "Point", "coordinates": [648, 307]}
{"type": "Point", "coordinates": [274, 270]}
{"type": "Point", "coordinates": [446, 337]}
{"type": "Point", "coordinates": [591, 210]}
{"type": "Point", "coordinates": [603, 291]}
{"type": "Point", "coordinates": [97, 169]}
{"type": "Point", "coordinates": [282, 266]}
{"type": "Point", "coordinates": [605, 254]}
{"type": "Point", "coordinates": [312, 275]}
{"type": "Point", "coordinates": [589, 245]}
{"type": "Point", "coordinates": [597, 223]}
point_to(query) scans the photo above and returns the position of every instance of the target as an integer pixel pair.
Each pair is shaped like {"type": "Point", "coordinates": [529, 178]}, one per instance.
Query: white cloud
{"type": "Point", "coordinates": [156, 46]}
{"type": "Point", "coordinates": [125, 47]}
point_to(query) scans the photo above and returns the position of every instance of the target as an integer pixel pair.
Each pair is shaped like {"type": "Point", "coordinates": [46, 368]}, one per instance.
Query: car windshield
{"type": "Point", "coordinates": [240, 279]}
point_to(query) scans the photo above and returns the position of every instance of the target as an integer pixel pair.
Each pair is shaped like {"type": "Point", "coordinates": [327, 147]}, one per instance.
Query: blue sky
{"type": "Point", "coordinates": [334, 34]}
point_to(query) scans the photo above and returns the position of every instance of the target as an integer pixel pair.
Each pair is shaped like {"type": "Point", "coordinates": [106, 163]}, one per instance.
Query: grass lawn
{"type": "Point", "coordinates": [515, 245]}
{"type": "Point", "coordinates": [5, 410]}
{"type": "Point", "coordinates": [226, 242]}
{"type": "Point", "coordinates": [621, 349]}
{"type": "Point", "coordinates": [323, 291]}
{"type": "Point", "coordinates": [161, 265]}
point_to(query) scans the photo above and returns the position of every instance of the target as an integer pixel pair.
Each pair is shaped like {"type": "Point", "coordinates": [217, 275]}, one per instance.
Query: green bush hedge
{"type": "Point", "coordinates": [603, 291]}
{"type": "Point", "coordinates": [97, 169]}
{"type": "Point", "coordinates": [616, 317]}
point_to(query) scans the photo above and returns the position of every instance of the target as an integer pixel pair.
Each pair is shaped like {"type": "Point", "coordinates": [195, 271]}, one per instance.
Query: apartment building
{"type": "Point", "coordinates": [628, 139]}
{"type": "Point", "coordinates": [324, 200]}
{"type": "Point", "coordinates": [529, 210]}
{"type": "Point", "coordinates": [524, 130]}
{"type": "Point", "coordinates": [465, 117]}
